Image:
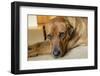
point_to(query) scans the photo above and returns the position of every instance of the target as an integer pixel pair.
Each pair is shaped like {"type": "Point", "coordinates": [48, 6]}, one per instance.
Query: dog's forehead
{"type": "Point", "coordinates": [55, 27]}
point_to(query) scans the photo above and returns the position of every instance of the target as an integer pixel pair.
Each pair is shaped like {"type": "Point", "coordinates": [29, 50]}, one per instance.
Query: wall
{"type": "Point", "coordinates": [5, 35]}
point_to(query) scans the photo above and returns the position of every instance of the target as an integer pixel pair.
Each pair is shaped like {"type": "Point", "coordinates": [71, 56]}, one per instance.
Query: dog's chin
{"type": "Point", "coordinates": [57, 56]}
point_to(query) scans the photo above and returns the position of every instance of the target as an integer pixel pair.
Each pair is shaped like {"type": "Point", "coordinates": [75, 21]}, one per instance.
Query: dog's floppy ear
{"type": "Point", "coordinates": [44, 32]}
{"type": "Point", "coordinates": [70, 30]}
{"type": "Point", "coordinates": [70, 23]}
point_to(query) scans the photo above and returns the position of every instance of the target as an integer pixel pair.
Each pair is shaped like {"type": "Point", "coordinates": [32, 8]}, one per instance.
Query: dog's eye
{"type": "Point", "coordinates": [49, 36]}
{"type": "Point", "coordinates": [61, 34]}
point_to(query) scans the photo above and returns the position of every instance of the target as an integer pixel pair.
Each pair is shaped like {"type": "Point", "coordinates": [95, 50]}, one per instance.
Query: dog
{"type": "Point", "coordinates": [62, 35]}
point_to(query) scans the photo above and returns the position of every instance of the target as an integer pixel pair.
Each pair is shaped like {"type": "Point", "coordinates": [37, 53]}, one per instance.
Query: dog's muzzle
{"type": "Point", "coordinates": [56, 52]}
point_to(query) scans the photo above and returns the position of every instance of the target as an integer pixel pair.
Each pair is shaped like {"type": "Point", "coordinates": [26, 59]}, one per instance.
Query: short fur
{"type": "Point", "coordinates": [75, 34]}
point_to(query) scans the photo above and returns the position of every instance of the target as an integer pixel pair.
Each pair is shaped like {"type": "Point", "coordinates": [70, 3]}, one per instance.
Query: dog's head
{"type": "Point", "coordinates": [58, 31]}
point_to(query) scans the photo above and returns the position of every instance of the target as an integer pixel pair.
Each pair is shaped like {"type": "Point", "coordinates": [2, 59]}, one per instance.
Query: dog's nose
{"type": "Point", "coordinates": [56, 52]}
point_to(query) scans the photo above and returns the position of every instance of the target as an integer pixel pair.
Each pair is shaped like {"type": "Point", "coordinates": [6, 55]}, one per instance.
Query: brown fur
{"type": "Point", "coordinates": [75, 34]}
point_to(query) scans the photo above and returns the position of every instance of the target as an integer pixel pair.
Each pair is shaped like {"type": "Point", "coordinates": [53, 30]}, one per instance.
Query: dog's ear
{"type": "Point", "coordinates": [70, 24]}
{"type": "Point", "coordinates": [44, 32]}
{"type": "Point", "coordinates": [70, 30]}
{"type": "Point", "coordinates": [71, 21]}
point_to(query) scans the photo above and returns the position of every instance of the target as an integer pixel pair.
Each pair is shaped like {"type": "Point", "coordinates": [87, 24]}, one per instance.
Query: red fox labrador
{"type": "Point", "coordinates": [62, 34]}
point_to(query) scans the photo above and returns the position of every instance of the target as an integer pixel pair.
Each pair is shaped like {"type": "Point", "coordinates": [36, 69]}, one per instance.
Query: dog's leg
{"type": "Point", "coordinates": [77, 41]}
{"type": "Point", "coordinates": [32, 50]}
{"type": "Point", "coordinates": [73, 43]}
{"type": "Point", "coordinates": [40, 48]}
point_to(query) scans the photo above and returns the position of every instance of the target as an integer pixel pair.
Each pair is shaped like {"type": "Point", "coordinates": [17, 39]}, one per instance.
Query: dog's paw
{"type": "Point", "coordinates": [32, 52]}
